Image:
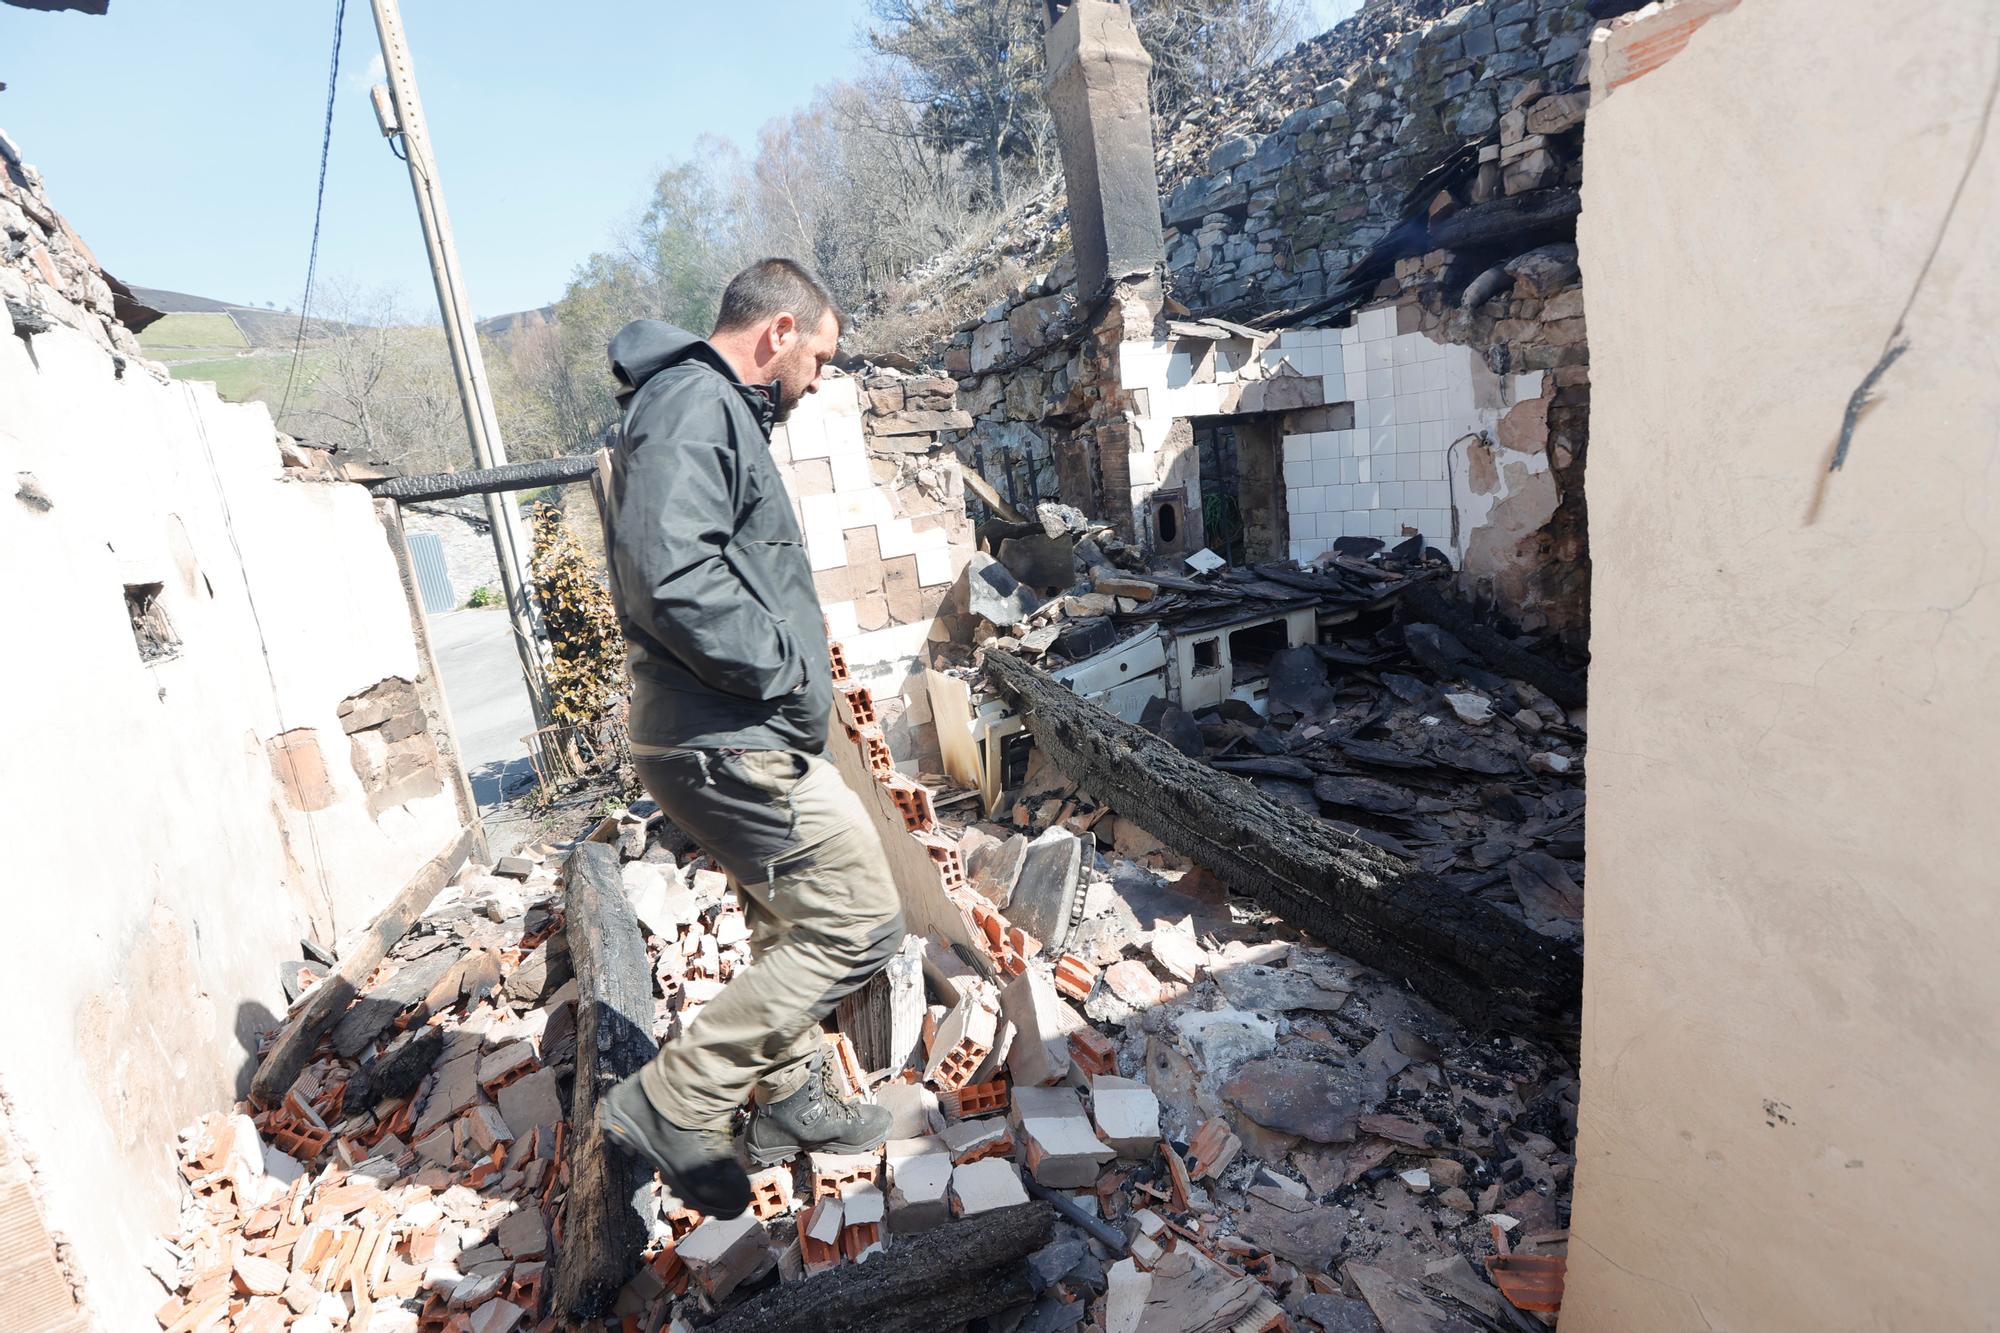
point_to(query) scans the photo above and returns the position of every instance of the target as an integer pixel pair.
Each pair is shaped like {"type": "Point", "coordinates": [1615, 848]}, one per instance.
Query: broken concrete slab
{"type": "Point", "coordinates": [1274, 990]}
{"type": "Point", "coordinates": [1222, 1039]}
{"type": "Point", "coordinates": [720, 1253]}
{"type": "Point", "coordinates": [531, 1101]}
{"type": "Point", "coordinates": [1399, 1306]}
{"type": "Point", "coordinates": [981, 1187]}
{"type": "Point", "coordinates": [1307, 1098]}
{"type": "Point", "coordinates": [1125, 1292]}
{"type": "Point", "coordinates": [919, 1184]}
{"type": "Point", "coordinates": [995, 866]}
{"type": "Point", "coordinates": [1127, 1114]}
{"type": "Point", "coordinates": [1047, 901]}
{"type": "Point", "coordinates": [1064, 1152]}
{"type": "Point", "coordinates": [913, 1110]}
{"type": "Point", "coordinates": [1040, 1053]}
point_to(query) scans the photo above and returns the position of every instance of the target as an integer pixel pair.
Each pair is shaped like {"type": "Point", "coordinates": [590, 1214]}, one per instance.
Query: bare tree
{"type": "Point", "coordinates": [1200, 47]}
{"type": "Point", "coordinates": [379, 387]}
{"type": "Point", "coordinates": [975, 68]}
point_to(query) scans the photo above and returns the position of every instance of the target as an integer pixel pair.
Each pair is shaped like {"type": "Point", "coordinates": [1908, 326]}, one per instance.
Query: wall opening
{"type": "Point", "coordinates": [1243, 487]}
{"type": "Point", "coordinates": [1207, 655]}
{"type": "Point", "coordinates": [151, 629]}
{"type": "Point", "coordinates": [1252, 648]}
{"type": "Point", "coordinates": [1167, 523]}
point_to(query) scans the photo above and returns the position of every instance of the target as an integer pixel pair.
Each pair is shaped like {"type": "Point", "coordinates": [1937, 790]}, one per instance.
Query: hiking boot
{"type": "Point", "coordinates": [698, 1165]}
{"type": "Point", "coordinates": [814, 1117]}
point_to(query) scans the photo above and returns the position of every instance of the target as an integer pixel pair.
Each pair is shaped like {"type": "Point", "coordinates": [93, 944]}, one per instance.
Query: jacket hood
{"type": "Point", "coordinates": [645, 347]}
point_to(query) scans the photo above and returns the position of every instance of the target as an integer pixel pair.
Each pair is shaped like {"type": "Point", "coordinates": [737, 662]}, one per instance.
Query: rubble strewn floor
{"type": "Point", "coordinates": [1274, 1131]}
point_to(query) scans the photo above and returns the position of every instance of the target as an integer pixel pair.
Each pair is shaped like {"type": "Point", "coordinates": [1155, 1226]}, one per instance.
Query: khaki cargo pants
{"type": "Point", "coordinates": [822, 909]}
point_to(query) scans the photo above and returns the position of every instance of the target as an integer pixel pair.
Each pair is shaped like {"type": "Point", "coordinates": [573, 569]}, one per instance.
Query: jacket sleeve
{"type": "Point", "coordinates": [675, 522]}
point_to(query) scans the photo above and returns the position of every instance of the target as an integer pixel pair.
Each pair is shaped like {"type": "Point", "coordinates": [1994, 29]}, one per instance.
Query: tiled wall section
{"type": "Point", "coordinates": [1184, 377]}
{"type": "Point", "coordinates": [1396, 472]}
{"type": "Point", "coordinates": [887, 535]}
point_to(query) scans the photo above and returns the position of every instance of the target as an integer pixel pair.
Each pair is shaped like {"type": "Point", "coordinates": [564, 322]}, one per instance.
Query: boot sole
{"type": "Point", "coordinates": [773, 1155]}
{"type": "Point", "coordinates": [620, 1129]}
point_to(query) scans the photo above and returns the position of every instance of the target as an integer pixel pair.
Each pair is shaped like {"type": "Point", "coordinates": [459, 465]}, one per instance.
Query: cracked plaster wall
{"type": "Point", "coordinates": [1790, 1057]}
{"type": "Point", "coordinates": [161, 863]}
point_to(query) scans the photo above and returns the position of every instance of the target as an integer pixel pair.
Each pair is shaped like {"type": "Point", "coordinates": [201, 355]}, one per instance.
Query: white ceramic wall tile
{"type": "Point", "coordinates": [1380, 383]}
{"type": "Point", "coordinates": [1354, 357]}
{"type": "Point", "coordinates": [1297, 447]}
{"type": "Point", "coordinates": [1326, 471]}
{"type": "Point", "coordinates": [850, 472]}
{"type": "Point", "coordinates": [840, 620]}
{"type": "Point", "coordinates": [844, 438]}
{"type": "Point", "coordinates": [1378, 355]}
{"type": "Point", "coordinates": [1407, 438]}
{"type": "Point", "coordinates": [1434, 376]}
{"type": "Point", "coordinates": [934, 566]}
{"type": "Point", "coordinates": [1312, 499]}
{"type": "Point", "coordinates": [1298, 472]}
{"type": "Point", "coordinates": [1350, 470]}
{"type": "Point", "coordinates": [895, 538]}
{"type": "Point", "coordinates": [1325, 444]}
{"type": "Point", "coordinates": [1431, 435]}
{"type": "Point", "coordinates": [1348, 335]}
{"type": "Point", "coordinates": [1430, 464]}
{"type": "Point", "coordinates": [1408, 378]}
{"type": "Point", "coordinates": [808, 438]}
{"type": "Point", "coordinates": [1406, 351]}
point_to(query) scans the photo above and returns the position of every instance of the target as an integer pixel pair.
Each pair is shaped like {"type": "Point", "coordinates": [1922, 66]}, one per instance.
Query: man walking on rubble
{"type": "Point", "coordinates": [732, 694]}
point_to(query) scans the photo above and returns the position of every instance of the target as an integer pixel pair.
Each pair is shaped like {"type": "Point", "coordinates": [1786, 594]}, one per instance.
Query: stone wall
{"type": "Point", "coordinates": [182, 804]}
{"type": "Point", "coordinates": [1413, 166]}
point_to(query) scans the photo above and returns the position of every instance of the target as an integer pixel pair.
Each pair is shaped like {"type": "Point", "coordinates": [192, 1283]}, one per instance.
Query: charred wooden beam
{"type": "Point", "coordinates": [603, 1230]}
{"type": "Point", "coordinates": [942, 1278]}
{"type": "Point", "coordinates": [1463, 953]}
{"type": "Point", "coordinates": [1428, 604]}
{"type": "Point", "coordinates": [326, 1001]}
{"type": "Point", "coordinates": [481, 481]}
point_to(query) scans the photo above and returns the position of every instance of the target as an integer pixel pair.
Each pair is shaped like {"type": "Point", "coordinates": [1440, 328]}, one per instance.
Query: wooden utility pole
{"type": "Point", "coordinates": [402, 115]}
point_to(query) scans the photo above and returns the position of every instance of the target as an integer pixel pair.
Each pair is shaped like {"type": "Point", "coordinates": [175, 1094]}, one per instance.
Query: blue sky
{"type": "Point", "coordinates": [182, 138]}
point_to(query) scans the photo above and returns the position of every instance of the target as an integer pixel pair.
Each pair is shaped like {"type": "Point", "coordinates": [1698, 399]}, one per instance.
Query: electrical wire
{"type": "Point", "coordinates": [319, 203]}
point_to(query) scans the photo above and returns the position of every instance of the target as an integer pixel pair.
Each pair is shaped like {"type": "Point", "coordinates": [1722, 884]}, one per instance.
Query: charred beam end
{"type": "Point", "coordinates": [483, 481]}
{"type": "Point", "coordinates": [603, 1231]}
{"type": "Point", "coordinates": [942, 1278]}
{"type": "Point", "coordinates": [1480, 963]}
{"type": "Point", "coordinates": [1565, 687]}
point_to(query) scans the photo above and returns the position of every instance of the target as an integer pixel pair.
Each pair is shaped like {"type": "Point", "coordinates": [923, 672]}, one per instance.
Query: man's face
{"type": "Point", "coordinates": [798, 359]}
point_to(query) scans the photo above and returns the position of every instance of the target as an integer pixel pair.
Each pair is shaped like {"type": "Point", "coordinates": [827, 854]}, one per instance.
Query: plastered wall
{"type": "Point", "coordinates": [1791, 1056]}
{"type": "Point", "coordinates": [162, 854]}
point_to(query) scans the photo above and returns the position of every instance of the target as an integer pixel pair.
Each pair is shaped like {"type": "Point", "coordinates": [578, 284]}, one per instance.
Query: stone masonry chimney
{"type": "Point", "coordinates": [1097, 75]}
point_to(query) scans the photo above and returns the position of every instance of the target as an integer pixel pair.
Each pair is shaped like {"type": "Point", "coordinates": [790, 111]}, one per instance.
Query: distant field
{"type": "Point", "coordinates": [242, 378]}
{"type": "Point", "coordinates": [191, 337]}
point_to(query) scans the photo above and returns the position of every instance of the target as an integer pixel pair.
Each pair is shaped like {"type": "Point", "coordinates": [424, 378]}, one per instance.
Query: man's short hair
{"type": "Point", "coordinates": [772, 287]}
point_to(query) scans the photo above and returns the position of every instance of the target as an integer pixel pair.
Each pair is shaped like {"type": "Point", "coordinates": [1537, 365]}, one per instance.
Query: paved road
{"type": "Point", "coordinates": [489, 706]}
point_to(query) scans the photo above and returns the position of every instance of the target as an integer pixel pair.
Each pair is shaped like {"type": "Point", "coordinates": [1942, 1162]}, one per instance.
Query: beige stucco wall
{"type": "Point", "coordinates": [154, 874]}
{"type": "Point", "coordinates": [1792, 1014]}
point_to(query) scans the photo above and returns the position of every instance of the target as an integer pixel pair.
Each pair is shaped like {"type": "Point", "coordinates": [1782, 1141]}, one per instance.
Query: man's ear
{"type": "Point", "coordinates": [784, 328]}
